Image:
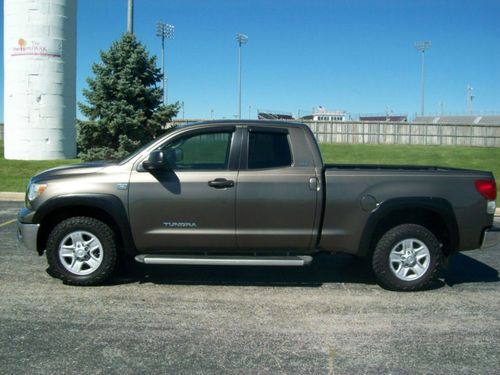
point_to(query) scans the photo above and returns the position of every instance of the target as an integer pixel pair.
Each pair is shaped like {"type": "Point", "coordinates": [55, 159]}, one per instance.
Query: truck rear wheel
{"type": "Point", "coordinates": [81, 251]}
{"type": "Point", "coordinates": [407, 258]}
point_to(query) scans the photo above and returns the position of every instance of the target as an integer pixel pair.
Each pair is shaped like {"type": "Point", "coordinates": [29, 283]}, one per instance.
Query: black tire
{"type": "Point", "coordinates": [385, 270]}
{"type": "Point", "coordinates": [94, 227]}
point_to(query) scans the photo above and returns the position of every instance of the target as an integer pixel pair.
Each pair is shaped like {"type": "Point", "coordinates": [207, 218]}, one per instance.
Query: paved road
{"type": "Point", "coordinates": [326, 318]}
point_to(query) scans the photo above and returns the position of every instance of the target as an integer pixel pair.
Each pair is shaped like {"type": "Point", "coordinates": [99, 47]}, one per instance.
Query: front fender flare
{"type": "Point", "coordinates": [109, 203]}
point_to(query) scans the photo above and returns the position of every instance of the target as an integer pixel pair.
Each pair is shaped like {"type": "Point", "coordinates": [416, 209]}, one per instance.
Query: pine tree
{"type": "Point", "coordinates": [124, 107]}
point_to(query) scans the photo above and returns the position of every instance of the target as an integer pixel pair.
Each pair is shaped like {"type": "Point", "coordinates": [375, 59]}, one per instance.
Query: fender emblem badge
{"type": "Point", "coordinates": [173, 224]}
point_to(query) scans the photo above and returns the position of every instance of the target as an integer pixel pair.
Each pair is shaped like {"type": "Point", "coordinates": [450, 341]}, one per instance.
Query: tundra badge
{"type": "Point", "coordinates": [175, 224]}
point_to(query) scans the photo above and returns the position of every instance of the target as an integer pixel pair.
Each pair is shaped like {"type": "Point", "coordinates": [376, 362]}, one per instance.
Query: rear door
{"type": "Point", "coordinates": [192, 206]}
{"type": "Point", "coordinates": [277, 192]}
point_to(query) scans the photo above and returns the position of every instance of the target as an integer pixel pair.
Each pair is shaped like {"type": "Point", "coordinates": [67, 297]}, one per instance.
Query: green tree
{"type": "Point", "coordinates": [124, 107]}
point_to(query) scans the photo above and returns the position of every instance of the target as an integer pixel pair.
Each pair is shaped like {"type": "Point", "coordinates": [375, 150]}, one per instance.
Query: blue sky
{"type": "Point", "coordinates": [355, 55]}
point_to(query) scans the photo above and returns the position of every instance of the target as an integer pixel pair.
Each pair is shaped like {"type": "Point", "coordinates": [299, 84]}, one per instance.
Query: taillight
{"type": "Point", "coordinates": [487, 188]}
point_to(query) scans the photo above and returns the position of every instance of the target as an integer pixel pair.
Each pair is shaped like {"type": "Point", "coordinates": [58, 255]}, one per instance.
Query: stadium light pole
{"type": "Point", "coordinates": [241, 39]}
{"type": "Point", "coordinates": [422, 47]}
{"type": "Point", "coordinates": [164, 31]}
{"type": "Point", "coordinates": [470, 97]}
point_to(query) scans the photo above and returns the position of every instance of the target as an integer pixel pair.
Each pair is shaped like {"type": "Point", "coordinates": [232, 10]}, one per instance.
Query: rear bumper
{"type": "Point", "coordinates": [27, 235]}
{"type": "Point", "coordinates": [491, 237]}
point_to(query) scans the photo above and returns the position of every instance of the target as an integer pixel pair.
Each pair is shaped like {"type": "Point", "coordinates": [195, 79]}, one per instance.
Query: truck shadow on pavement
{"type": "Point", "coordinates": [464, 269]}
{"type": "Point", "coordinates": [324, 269]}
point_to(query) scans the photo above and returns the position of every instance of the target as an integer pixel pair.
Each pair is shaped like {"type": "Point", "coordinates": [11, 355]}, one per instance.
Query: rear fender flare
{"type": "Point", "coordinates": [439, 206]}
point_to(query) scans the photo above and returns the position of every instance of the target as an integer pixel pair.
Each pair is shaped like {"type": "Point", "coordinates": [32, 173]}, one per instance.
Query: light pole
{"type": "Point", "coordinates": [241, 39]}
{"type": "Point", "coordinates": [130, 17]}
{"type": "Point", "coordinates": [421, 47]}
{"type": "Point", "coordinates": [470, 97]}
{"type": "Point", "coordinates": [164, 31]}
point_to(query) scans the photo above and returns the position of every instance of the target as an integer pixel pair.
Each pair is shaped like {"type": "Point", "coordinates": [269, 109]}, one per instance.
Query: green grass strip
{"type": "Point", "coordinates": [14, 174]}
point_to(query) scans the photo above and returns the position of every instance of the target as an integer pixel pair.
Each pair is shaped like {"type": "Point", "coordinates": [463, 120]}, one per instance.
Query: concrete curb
{"type": "Point", "coordinates": [11, 196]}
{"type": "Point", "coordinates": [19, 197]}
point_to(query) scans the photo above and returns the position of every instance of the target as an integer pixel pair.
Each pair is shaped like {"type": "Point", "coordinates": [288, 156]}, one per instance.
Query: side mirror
{"type": "Point", "coordinates": [155, 161]}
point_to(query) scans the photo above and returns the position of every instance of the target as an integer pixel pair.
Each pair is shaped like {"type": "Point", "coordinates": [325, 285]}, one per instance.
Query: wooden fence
{"type": "Point", "coordinates": [399, 133]}
{"type": "Point", "coordinates": [406, 133]}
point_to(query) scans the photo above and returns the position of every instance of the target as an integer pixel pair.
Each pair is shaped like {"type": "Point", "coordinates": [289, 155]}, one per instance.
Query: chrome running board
{"type": "Point", "coordinates": [289, 261]}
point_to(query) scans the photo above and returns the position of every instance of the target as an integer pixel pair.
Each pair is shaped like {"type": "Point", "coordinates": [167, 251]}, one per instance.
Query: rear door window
{"type": "Point", "coordinates": [268, 150]}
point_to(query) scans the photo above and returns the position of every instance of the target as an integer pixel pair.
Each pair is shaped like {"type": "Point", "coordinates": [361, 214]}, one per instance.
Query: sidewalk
{"type": "Point", "coordinates": [19, 197]}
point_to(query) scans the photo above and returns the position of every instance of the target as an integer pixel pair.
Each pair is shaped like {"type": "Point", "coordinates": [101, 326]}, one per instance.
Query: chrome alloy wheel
{"type": "Point", "coordinates": [80, 252]}
{"type": "Point", "coordinates": [409, 259]}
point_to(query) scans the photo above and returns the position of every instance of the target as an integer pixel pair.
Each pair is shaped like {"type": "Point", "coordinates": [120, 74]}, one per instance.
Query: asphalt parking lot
{"type": "Point", "coordinates": [329, 318]}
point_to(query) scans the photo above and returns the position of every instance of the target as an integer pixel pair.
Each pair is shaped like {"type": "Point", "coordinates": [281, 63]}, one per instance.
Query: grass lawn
{"type": "Point", "coordinates": [482, 158]}
{"type": "Point", "coordinates": [14, 174]}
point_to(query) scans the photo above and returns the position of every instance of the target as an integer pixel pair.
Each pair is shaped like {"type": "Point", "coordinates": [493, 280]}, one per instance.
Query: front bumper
{"type": "Point", "coordinates": [491, 237]}
{"type": "Point", "coordinates": [27, 235]}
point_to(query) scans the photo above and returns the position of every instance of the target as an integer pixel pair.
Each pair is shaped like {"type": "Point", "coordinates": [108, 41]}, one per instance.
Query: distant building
{"type": "Point", "coordinates": [460, 120]}
{"type": "Point", "coordinates": [390, 118]}
{"type": "Point", "coordinates": [322, 114]}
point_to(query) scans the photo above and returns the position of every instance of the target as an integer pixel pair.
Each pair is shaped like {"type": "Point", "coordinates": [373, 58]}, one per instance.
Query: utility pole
{"type": "Point", "coordinates": [241, 39]}
{"type": "Point", "coordinates": [164, 31]}
{"type": "Point", "coordinates": [130, 18]}
{"type": "Point", "coordinates": [470, 97]}
{"type": "Point", "coordinates": [422, 47]}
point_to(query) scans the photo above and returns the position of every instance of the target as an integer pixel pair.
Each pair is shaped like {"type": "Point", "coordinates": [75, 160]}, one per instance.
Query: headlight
{"type": "Point", "coordinates": [35, 190]}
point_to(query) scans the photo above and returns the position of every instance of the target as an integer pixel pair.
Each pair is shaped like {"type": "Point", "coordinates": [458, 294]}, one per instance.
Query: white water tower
{"type": "Point", "coordinates": [39, 79]}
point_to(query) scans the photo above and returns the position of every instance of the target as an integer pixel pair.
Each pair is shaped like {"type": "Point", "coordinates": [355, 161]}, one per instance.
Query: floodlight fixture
{"type": "Point", "coordinates": [423, 45]}
{"type": "Point", "coordinates": [164, 30]}
{"type": "Point", "coordinates": [241, 38]}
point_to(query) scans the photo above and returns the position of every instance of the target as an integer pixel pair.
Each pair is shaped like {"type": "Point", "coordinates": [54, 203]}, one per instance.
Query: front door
{"type": "Point", "coordinates": [191, 206]}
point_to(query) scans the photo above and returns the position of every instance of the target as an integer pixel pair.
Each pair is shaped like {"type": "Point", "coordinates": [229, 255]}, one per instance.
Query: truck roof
{"type": "Point", "coordinates": [248, 122]}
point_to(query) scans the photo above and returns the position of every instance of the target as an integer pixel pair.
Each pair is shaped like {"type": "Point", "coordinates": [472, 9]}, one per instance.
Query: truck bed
{"type": "Point", "coordinates": [397, 167]}
{"type": "Point", "coordinates": [354, 192]}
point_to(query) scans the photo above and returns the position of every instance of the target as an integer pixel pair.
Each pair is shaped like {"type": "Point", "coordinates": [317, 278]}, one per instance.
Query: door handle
{"type": "Point", "coordinates": [221, 183]}
{"type": "Point", "coordinates": [314, 184]}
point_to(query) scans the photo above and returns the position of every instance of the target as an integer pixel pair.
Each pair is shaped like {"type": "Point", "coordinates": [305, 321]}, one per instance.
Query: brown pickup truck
{"type": "Point", "coordinates": [253, 193]}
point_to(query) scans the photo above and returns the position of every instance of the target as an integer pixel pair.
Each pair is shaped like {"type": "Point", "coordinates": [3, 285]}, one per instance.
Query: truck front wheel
{"type": "Point", "coordinates": [407, 258]}
{"type": "Point", "coordinates": [81, 251]}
